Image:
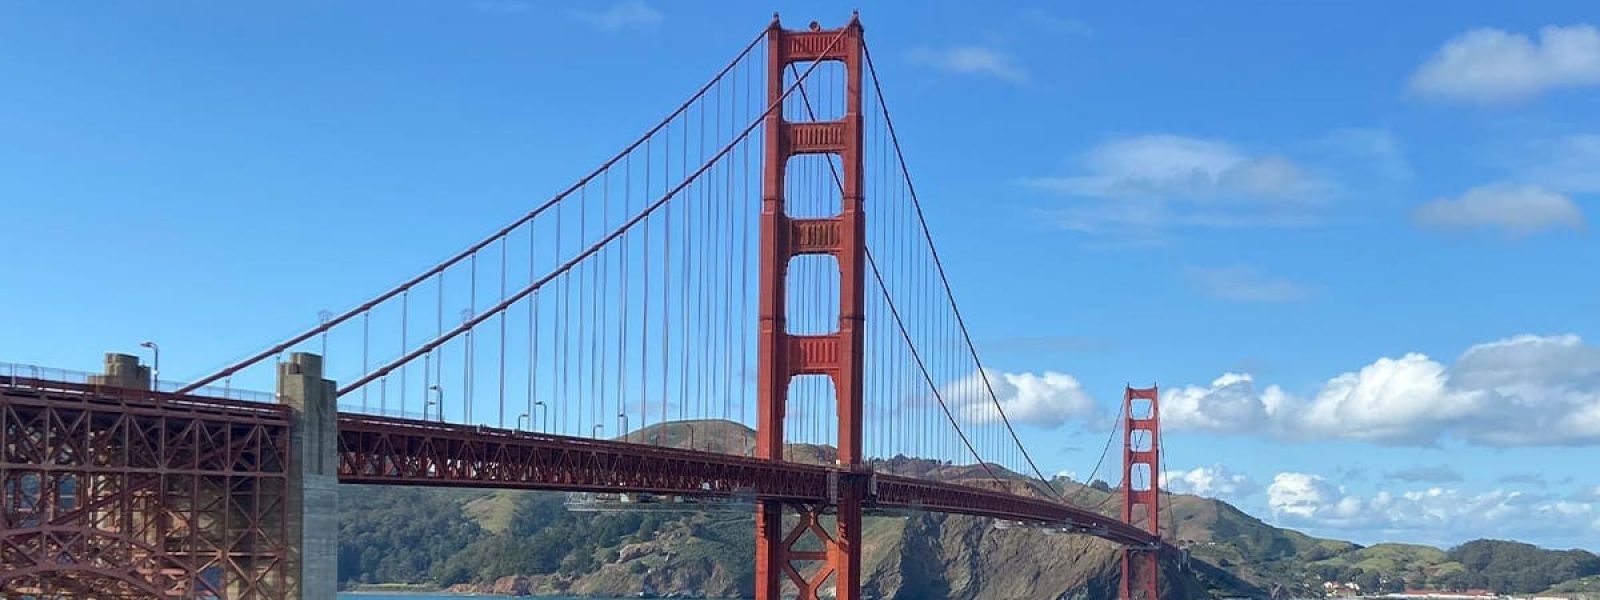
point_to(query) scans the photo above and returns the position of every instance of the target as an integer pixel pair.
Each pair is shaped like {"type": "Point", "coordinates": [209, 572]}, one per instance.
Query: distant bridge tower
{"type": "Point", "coordinates": [808, 555]}
{"type": "Point", "coordinates": [1141, 490]}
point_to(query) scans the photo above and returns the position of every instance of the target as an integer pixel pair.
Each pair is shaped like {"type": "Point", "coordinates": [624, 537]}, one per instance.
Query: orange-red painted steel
{"type": "Point", "coordinates": [142, 453]}
{"type": "Point", "coordinates": [148, 493]}
{"type": "Point", "coordinates": [382, 450]}
{"type": "Point", "coordinates": [839, 354]}
{"type": "Point", "coordinates": [1141, 487]}
{"type": "Point", "coordinates": [114, 493]}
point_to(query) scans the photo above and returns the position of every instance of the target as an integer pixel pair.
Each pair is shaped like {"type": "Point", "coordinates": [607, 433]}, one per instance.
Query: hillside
{"type": "Point", "coordinates": [547, 549]}
{"type": "Point", "coordinates": [529, 542]}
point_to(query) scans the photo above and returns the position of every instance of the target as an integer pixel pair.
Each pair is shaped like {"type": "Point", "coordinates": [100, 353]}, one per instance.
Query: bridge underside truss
{"type": "Point", "coordinates": [383, 450]}
{"type": "Point", "coordinates": [112, 493]}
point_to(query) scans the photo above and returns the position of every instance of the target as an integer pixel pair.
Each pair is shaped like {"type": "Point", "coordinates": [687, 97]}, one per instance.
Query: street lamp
{"type": "Point", "coordinates": [596, 433]}
{"type": "Point", "coordinates": [323, 316]}
{"type": "Point", "coordinates": [520, 418]}
{"type": "Point", "coordinates": [437, 400]}
{"type": "Point", "coordinates": [155, 364]}
{"type": "Point", "coordinates": [546, 420]}
{"type": "Point", "coordinates": [623, 419]}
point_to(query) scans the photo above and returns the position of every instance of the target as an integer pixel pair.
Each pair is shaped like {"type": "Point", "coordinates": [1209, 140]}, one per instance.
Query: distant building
{"type": "Point", "coordinates": [1441, 595]}
{"type": "Point", "coordinates": [1341, 589]}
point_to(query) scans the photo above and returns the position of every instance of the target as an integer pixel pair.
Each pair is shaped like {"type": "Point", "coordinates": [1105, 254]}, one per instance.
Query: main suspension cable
{"type": "Point", "coordinates": [473, 249]}
{"type": "Point", "coordinates": [470, 323]}
{"type": "Point", "coordinates": [939, 269]}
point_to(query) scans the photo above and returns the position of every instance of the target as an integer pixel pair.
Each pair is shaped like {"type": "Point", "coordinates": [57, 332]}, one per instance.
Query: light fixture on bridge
{"type": "Point", "coordinates": [323, 316]}
{"type": "Point", "coordinates": [155, 364]}
{"type": "Point", "coordinates": [437, 400]}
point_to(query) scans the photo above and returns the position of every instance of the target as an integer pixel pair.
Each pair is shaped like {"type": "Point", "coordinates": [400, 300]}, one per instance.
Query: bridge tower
{"type": "Point", "coordinates": [1141, 488]}
{"type": "Point", "coordinates": [807, 554]}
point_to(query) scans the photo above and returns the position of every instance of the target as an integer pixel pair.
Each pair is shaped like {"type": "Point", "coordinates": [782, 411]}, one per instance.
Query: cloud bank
{"type": "Point", "coordinates": [1526, 390]}
{"type": "Point", "coordinates": [1493, 66]}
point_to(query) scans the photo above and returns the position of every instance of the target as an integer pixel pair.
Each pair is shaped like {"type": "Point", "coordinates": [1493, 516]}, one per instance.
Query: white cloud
{"type": "Point", "coordinates": [1302, 496]}
{"type": "Point", "coordinates": [1245, 284]}
{"type": "Point", "coordinates": [1160, 180]}
{"type": "Point", "coordinates": [1514, 360]}
{"type": "Point", "coordinates": [1181, 168]}
{"type": "Point", "coordinates": [628, 14]}
{"type": "Point", "coordinates": [1432, 515]}
{"type": "Point", "coordinates": [1570, 164]}
{"type": "Point", "coordinates": [1514, 208]}
{"type": "Point", "coordinates": [1392, 400]}
{"type": "Point", "coordinates": [1589, 495]}
{"type": "Point", "coordinates": [1230, 404]}
{"type": "Point", "coordinates": [1215, 482]}
{"type": "Point", "coordinates": [1373, 152]}
{"type": "Point", "coordinates": [972, 60]}
{"type": "Point", "coordinates": [1533, 479]}
{"type": "Point", "coordinates": [1427, 474]}
{"type": "Point", "coordinates": [1539, 390]}
{"type": "Point", "coordinates": [1493, 66]}
{"type": "Point", "coordinates": [1526, 390]}
{"type": "Point", "coordinates": [1052, 23]}
{"type": "Point", "coordinates": [1047, 399]}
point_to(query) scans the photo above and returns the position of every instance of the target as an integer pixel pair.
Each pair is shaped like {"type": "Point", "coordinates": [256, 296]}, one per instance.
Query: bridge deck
{"type": "Point", "coordinates": [383, 450]}
{"type": "Point", "coordinates": [393, 451]}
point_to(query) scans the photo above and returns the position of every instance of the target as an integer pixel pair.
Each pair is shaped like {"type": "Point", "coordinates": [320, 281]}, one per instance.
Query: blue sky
{"type": "Point", "coordinates": [1357, 257]}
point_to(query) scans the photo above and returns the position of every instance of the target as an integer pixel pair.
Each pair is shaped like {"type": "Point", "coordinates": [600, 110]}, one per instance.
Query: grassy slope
{"type": "Point", "coordinates": [1585, 585]}
{"type": "Point", "coordinates": [912, 556]}
{"type": "Point", "coordinates": [492, 510]}
{"type": "Point", "coordinates": [1410, 560]}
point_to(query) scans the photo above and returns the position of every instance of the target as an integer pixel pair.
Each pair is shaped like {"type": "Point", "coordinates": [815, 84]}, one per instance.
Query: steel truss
{"type": "Point", "coordinates": [384, 450]}
{"type": "Point", "coordinates": [114, 493]}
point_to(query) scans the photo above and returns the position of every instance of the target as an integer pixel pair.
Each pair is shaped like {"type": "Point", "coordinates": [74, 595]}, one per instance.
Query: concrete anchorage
{"type": "Point", "coordinates": [313, 477]}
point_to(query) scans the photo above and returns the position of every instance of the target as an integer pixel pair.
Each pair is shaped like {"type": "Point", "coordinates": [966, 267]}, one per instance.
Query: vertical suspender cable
{"type": "Point", "coordinates": [502, 378]}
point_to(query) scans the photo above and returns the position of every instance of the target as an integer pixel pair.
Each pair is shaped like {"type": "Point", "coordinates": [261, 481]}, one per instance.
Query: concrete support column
{"type": "Point", "coordinates": [313, 477]}
{"type": "Point", "coordinates": [123, 371]}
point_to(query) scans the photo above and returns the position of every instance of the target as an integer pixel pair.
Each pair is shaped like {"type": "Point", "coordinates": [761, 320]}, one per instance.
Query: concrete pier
{"type": "Point", "coordinates": [313, 477]}
{"type": "Point", "coordinates": [123, 371]}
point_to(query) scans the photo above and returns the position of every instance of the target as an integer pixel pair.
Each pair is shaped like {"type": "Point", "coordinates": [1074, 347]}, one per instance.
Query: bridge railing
{"type": "Point", "coordinates": [15, 373]}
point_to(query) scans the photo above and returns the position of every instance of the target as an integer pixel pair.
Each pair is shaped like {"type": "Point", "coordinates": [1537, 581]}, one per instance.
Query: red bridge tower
{"type": "Point", "coordinates": [807, 554]}
{"type": "Point", "coordinates": [1141, 488]}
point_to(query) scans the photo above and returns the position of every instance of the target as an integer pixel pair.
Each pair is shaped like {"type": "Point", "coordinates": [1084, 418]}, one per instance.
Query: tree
{"type": "Point", "coordinates": [1368, 580]}
{"type": "Point", "coordinates": [1453, 581]}
{"type": "Point", "coordinates": [1393, 585]}
{"type": "Point", "coordinates": [1515, 567]}
{"type": "Point", "coordinates": [400, 535]}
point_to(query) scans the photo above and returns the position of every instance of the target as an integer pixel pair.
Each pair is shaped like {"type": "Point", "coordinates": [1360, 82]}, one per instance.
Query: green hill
{"type": "Point", "coordinates": [511, 542]}
{"type": "Point", "coordinates": [1582, 585]}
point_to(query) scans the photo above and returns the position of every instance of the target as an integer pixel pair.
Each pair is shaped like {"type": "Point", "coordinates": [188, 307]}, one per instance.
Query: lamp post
{"type": "Point", "coordinates": [323, 316]}
{"type": "Point", "coordinates": [538, 404]}
{"type": "Point", "coordinates": [622, 418]}
{"type": "Point", "coordinates": [596, 433]}
{"type": "Point", "coordinates": [155, 364]}
{"type": "Point", "coordinates": [521, 418]}
{"type": "Point", "coordinates": [437, 400]}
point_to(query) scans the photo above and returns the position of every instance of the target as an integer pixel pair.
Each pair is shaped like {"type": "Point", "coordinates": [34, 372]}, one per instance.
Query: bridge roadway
{"type": "Point", "coordinates": [395, 451]}
{"type": "Point", "coordinates": [383, 450]}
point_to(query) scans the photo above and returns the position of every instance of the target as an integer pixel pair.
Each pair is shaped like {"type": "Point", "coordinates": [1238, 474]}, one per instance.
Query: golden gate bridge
{"type": "Point", "coordinates": [759, 256]}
